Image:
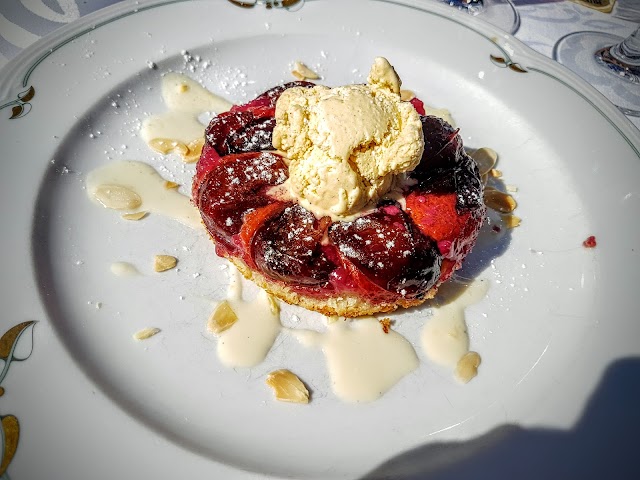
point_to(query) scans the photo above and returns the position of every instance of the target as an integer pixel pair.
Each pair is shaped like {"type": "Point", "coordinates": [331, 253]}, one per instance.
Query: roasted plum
{"type": "Point", "coordinates": [442, 144]}
{"type": "Point", "coordinates": [288, 248]}
{"type": "Point", "coordinates": [389, 250]}
{"type": "Point", "coordinates": [235, 186]}
{"type": "Point", "coordinates": [446, 168]}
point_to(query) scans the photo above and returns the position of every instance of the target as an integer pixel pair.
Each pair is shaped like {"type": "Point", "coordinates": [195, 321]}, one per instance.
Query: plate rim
{"type": "Point", "coordinates": [12, 94]}
{"type": "Point", "coordinates": [115, 12]}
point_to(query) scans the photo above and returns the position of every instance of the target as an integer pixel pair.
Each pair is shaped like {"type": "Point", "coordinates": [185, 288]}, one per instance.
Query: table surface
{"type": "Point", "coordinates": [542, 22]}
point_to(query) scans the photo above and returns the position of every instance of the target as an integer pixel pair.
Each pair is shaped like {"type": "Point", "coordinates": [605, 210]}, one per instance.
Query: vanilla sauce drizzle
{"type": "Point", "coordinates": [185, 100]}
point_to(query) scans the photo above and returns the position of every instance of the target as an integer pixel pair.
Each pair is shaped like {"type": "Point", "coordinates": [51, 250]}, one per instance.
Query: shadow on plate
{"type": "Point", "coordinates": [602, 445]}
{"type": "Point", "coordinates": [485, 252]}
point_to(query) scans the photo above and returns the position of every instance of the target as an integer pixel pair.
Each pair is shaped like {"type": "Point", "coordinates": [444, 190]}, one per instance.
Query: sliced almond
{"type": "Point", "coordinates": [467, 367]}
{"type": "Point", "coordinates": [511, 221]}
{"type": "Point", "coordinates": [222, 318]}
{"type": "Point", "coordinates": [495, 173]}
{"type": "Point", "coordinates": [301, 69]}
{"type": "Point", "coordinates": [486, 158]}
{"type": "Point", "coordinates": [168, 184]}
{"type": "Point", "coordinates": [146, 333]}
{"type": "Point", "coordinates": [162, 263]}
{"type": "Point", "coordinates": [386, 324]}
{"type": "Point", "coordinates": [407, 95]}
{"type": "Point", "coordinates": [511, 188]}
{"type": "Point", "coordinates": [500, 201]}
{"type": "Point", "coordinates": [181, 149]}
{"type": "Point", "coordinates": [194, 150]}
{"type": "Point", "coordinates": [287, 387]}
{"type": "Point", "coordinates": [134, 215]}
{"type": "Point", "coordinates": [298, 75]}
{"type": "Point", "coordinates": [190, 153]}
{"type": "Point", "coordinates": [117, 197]}
{"type": "Point", "coordinates": [162, 145]}
{"type": "Point", "coordinates": [167, 145]}
{"type": "Point", "coordinates": [274, 307]}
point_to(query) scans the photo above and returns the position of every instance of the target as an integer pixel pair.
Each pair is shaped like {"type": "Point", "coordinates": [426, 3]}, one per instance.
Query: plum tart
{"type": "Point", "coordinates": [393, 253]}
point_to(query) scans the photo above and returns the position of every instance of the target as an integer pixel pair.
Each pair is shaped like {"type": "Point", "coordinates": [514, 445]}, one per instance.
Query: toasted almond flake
{"type": "Point", "coordinates": [222, 318]}
{"type": "Point", "coordinates": [495, 173]}
{"type": "Point", "coordinates": [407, 95]}
{"type": "Point", "coordinates": [287, 387]}
{"type": "Point", "coordinates": [306, 72]}
{"type": "Point", "coordinates": [386, 324]}
{"type": "Point", "coordinates": [181, 149]}
{"type": "Point", "coordinates": [167, 145]}
{"type": "Point", "coordinates": [134, 215]}
{"type": "Point", "coordinates": [162, 145]}
{"type": "Point", "coordinates": [162, 263]}
{"type": "Point", "coordinates": [190, 153]}
{"type": "Point", "coordinates": [298, 75]}
{"type": "Point", "coordinates": [274, 306]}
{"type": "Point", "coordinates": [168, 184]}
{"type": "Point", "coordinates": [117, 197]}
{"type": "Point", "coordinates": [511, 221]}
{"type": "Point", "coordinates": [486, 158]}
{"type": "Point", "coordinates": [194, 150]}
{"type": "Point", "coordinates": [499, 201]}
{"type": "Point", "coordinates": [467, 367]}
{"type": "Point", "coordinates": [146, 333]}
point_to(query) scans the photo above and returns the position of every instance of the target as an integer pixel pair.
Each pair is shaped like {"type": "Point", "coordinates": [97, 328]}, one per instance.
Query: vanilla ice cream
{"type": "Point", "coordinates": [346, 145]}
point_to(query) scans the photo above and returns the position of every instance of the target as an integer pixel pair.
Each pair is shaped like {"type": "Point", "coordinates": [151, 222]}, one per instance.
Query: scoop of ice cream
{"type": "Point", "coordinates": [345, 145]}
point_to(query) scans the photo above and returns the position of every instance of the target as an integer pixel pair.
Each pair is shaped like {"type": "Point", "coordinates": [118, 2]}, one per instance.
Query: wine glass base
{"type": "Point", "coordinates": [608, 61]}
{"type": "Point", "coordinates": [577, 51]}
{"type": "Point", "coordinates": [499, 13]}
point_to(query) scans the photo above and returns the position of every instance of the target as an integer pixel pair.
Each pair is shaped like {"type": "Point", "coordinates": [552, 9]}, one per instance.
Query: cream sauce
{"type": "Point", "coordinates": [363, 361]}
{"type": "Point", "coordinates": [444, 337]}
{"type": "Point", "coordinates": [248, 341]}
{"type": "Point", "coordinates": [186, 100]}
{"type": "Point", "coordinates": [182, 127]}
{"type": "Point", "coordinates": [143, 179]}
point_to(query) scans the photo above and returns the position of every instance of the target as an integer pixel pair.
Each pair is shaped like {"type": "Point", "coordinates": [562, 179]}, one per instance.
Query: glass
{"type": "Point", "coordinates": [500, 13]}
{"type": "Point", "coordinates": [608, 62]}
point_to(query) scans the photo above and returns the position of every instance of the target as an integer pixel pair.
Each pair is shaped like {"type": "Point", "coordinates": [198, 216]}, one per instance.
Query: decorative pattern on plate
{"type": "Point", "coordinates": [507, 63]}
{"type": "Point", "coordinates": [21, 106]}
{"type": "Point", "coordinates": [288, 4]}
{"type": "Point", "coordinates": [10, 427]}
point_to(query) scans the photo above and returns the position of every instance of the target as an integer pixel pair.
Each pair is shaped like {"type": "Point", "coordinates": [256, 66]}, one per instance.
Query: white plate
{"type": "Point", "coordinates": [559, 323]}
